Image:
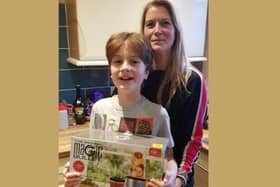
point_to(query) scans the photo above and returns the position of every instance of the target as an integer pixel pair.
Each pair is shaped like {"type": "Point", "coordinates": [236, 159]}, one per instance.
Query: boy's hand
{"type": "Point", "coordinates": [156, 183]}
{"type": "Point", "coordinates": [71, 179]}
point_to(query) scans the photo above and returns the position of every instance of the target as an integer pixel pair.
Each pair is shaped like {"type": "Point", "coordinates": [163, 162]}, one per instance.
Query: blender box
{"type": "Point", "coordinates": [104, 157]}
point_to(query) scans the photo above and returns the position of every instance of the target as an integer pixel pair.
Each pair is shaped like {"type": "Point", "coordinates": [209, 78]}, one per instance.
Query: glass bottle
{"type": "Point", "coordinates": [78, 107]}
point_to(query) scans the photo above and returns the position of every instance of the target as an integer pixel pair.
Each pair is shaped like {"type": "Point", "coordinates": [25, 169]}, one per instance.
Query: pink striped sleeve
{"type": "Point", "coordinates": [192, 148]}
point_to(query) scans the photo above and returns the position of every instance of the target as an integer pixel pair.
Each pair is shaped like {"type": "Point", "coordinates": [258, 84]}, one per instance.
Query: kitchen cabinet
{"type": "Point", "coordinates": [193, 17]}
{"type": "Point", "coordinates": [201, 165]}
{"type": "Point", "coordinates": [91, 23]}
{"type": "Point", "coordinates": [201, 170]}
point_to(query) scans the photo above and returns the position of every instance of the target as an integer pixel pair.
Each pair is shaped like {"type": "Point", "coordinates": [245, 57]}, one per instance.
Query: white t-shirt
{"type": "Point", "coordinates": [146, 118]}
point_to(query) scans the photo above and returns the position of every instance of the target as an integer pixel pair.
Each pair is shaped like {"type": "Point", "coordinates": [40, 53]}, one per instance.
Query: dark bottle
{"type": "Point", "coordinates": [78, 107]}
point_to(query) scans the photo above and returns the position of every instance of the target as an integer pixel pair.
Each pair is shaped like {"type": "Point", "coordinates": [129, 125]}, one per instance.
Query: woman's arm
{"type": "Point", "coordinates": [198, 106]}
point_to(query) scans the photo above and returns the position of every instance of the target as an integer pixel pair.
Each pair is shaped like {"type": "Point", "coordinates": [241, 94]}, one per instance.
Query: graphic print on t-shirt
{"type": "Point", "coordinates": [140, 126]}
{"type": "Point", "coordinates": [100, 121]}
{"type": "Point", "coordinates": [127, 125]}
{"type": "Point", "coordinates": [144, 126]}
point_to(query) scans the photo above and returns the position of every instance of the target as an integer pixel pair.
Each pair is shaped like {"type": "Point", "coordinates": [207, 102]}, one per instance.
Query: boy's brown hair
{"type": "Point", "coordinates": [135, 41]}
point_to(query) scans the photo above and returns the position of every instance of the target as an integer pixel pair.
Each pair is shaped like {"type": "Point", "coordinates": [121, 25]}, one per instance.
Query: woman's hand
{"type": "Point", "coordinates": [179, 182]}
{"type": "Point", "coordinates": [71, 179]}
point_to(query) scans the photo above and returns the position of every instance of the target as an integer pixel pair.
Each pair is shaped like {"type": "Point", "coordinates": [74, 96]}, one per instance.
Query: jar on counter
{"type": "Point", "coordinates": [63, 117]}
{"type": "Point", "coordinates": [70, 113]}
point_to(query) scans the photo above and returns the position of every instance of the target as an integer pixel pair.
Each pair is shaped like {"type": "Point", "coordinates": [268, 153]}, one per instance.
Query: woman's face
{"type": "Point", "coordinates": [128, 70]}
{"type": "Point", "coordinates": [159, 29]}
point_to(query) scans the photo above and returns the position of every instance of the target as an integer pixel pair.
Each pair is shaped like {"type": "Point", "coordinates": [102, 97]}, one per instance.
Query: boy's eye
{"type": "Point", "coordinates": [116, 61]}
{"type": "Point", "coordinates": [135, 61]}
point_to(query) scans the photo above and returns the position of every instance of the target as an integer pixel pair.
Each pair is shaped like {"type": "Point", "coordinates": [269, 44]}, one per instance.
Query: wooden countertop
{"type": "Point", "coordinates": [64, 137]}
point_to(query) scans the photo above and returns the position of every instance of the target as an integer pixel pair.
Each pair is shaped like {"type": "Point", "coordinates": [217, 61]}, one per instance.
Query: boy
{"type": "Point", "coordinates": [130, 59]}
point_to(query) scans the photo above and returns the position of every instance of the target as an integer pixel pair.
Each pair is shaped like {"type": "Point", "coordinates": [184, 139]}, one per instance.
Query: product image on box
{"type": "Point", "coordinates": [115, 159]}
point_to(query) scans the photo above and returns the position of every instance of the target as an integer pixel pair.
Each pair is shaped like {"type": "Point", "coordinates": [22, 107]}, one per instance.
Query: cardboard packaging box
{"type": "Point", "coordinates": [109, 159]}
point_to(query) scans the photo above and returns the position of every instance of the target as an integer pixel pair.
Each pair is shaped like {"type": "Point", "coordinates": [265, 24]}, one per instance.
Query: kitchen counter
{"type": "Point", "coordinates": [64, 138]}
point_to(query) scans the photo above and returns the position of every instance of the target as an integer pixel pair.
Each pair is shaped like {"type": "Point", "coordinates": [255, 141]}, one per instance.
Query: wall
{"type": "Point", "coordinates": [193, 18]}
{"type": "Point", "coordinates": [90, 78]}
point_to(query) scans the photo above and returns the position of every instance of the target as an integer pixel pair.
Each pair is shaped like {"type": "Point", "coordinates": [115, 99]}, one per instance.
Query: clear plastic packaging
{"type": "Point", "coordinates": [102, 155]}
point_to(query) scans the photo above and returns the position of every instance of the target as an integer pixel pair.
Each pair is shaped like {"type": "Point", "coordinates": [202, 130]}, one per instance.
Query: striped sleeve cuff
{"type": "Point", "coordinates": [184, 177]}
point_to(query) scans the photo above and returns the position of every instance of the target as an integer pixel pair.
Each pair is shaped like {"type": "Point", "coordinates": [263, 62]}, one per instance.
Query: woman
{"type": "Point", "coordinates": [175, 84]}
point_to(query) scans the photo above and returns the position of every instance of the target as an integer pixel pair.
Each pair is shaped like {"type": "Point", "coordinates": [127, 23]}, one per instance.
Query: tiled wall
{"type": "Point", "coordinates": [90, 78]}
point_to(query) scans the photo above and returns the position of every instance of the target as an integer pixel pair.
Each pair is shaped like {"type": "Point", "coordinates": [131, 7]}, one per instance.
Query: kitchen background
{"type": "Point", "coordinates": [90, 78]}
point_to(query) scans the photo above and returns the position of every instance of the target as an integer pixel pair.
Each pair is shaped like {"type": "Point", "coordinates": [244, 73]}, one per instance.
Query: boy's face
{"type": "Point", "coordinates": [128, 70]}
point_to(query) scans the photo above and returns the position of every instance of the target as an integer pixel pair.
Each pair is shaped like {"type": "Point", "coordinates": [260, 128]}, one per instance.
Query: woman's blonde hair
{"type": "Point", "coordinates": [178, 67]}
{"type": "Point", "coordinates": [135, 41]}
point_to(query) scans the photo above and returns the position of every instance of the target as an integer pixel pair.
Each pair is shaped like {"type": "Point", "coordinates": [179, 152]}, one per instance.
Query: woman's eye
{"type": "Point", "coordinates": [166, 23]}
{"type": "Point", "coordinates": [150, 24]}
